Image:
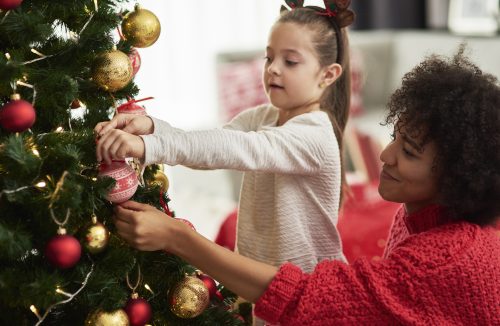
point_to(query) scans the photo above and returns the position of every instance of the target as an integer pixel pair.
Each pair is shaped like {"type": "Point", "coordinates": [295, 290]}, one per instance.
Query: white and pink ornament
{"type": "Point", "coordinates": [135, 59]}
{"type": "Point", "coordinates": [125, 177]}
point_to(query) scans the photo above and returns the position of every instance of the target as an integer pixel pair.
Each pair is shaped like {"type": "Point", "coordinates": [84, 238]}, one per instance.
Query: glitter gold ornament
{"type": "Point", "coordinates": [161, 179]}
{"type": "Point", "coordinates": [103, 318]}
{"type": "Point", "coordinates": [96, 237]}
{"type": "Point", "coordinates": [112, 70]}
{"type": "Point", "coordinates": [141, 27]}
{"type": "Point", "coordinates": [189, 298]}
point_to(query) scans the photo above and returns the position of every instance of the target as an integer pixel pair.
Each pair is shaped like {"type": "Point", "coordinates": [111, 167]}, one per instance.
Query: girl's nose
{"type": "Point", "coordinates": [388, 154]}
{"type": "Point", "coordinates": [273, 68]}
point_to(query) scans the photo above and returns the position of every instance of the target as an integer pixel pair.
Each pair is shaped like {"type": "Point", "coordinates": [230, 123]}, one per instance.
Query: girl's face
{"type": "Point", "coordinates": [407, 175]}
{"type": "Point", "coordinates": [292, 74]}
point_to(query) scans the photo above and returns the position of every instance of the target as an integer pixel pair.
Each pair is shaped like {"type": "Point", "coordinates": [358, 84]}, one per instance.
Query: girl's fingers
{"type": "Point", "coordinates": [112, 124]}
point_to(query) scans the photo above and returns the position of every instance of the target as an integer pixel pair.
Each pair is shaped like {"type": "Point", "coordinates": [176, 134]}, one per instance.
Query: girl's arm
{"type": "Point", "coordinates": [147, 228]}
{"type": "Point", "coordinates": [299, 147]}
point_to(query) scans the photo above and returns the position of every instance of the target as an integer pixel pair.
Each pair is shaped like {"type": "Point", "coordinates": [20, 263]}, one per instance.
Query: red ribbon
{"type": "Point", "coordinates": [164, 205]}
{"type": "Point", "coordinates": [132, 101]}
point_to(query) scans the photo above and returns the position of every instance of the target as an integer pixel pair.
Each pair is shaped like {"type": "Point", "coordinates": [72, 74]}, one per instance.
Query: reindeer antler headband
{"type": "Point", "coordinates": [336, 10]}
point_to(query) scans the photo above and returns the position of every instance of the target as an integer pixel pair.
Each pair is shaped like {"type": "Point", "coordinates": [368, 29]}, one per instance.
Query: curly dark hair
{"type": "Point", "coordinates": [452, 103]}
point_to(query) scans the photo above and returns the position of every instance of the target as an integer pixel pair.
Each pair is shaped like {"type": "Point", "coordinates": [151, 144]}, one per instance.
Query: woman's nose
{"type": "Point", "coordinates": [388, 154]}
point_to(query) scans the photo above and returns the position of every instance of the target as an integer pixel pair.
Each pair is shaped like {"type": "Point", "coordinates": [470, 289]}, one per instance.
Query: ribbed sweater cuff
{"type": "Point", "coordinates": [279, 293]}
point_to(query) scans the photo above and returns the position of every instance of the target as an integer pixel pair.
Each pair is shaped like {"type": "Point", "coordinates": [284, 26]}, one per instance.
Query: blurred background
{"type": "Point", "coordinates": [206, 67]}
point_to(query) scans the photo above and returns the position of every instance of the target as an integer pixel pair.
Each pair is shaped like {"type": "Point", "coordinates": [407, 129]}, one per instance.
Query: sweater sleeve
{"type": "Point", "coordinates": [387, 292]}
{"type": "Point", "coordinates": [297, 147]}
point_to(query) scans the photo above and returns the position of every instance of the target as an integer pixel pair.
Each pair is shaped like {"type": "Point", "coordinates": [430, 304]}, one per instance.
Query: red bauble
{"type": "Point", "coordinates": [210, 284]}
{"type": "Point", "coordinates": [138, 311]}
{"type": "Point", "coordinates": [135, 59]}
{"type": "Point", "coordinates": [126, 180]}
{"type": "Point", "coordinates": [10, 4]}
{"type": "Point", "coordinates": [131, 108]}
{"type": "Point", "coordinates": [75, 104]}
{"type": "Point", "coordinates": [63, 251]}
{"type": "Point", "coordinates": [17, 115]}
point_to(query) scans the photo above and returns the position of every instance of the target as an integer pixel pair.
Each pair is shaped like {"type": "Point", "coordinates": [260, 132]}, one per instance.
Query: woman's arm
{"type": "Point", "coordinates": [147, 228]}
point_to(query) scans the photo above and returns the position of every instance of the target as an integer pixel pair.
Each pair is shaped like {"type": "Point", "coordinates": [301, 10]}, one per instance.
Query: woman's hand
{"type": "Point", "coordinates": [131, 123]}
{"type": "Point", "coordinates": [144, 227]}
{"type": "Point", "coordinates": [117, 145]}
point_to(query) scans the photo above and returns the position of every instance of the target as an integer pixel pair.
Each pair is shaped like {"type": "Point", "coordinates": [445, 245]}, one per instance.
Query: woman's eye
{"type": "Point", "coordinates": [408, 153]}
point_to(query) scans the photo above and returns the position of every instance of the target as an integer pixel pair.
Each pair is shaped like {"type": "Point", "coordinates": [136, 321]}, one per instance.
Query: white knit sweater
{"type": "Point", "coordinates": [289, 198]}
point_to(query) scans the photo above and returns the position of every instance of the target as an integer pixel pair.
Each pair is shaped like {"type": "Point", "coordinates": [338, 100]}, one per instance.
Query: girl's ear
{"type": "Point", "coordinates": [332, 73]}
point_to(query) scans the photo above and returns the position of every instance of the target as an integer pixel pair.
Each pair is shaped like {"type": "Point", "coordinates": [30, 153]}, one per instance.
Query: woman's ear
{"type": "Point", "coordinates": [332, 73]}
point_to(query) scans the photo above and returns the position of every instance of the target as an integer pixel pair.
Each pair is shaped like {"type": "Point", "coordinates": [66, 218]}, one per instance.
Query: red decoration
{"type": "Point", "coordinates": [210, 284]}
{"type": "Point", "coordinates": [75, 104]}
{"type": "Point", "coordinates": [135, 59]}
{"type": "Point", "coordinates": [17, 115]}
{"type": "Point", "coordinates": [138, 311]}
{"type": "Point", "coordinates": [219, 296]}
{"type": "Point", "coordinates": [63, 251]}
{"type": "Point", "coordinates": [131, 107]}
{"type": "Point", "coordinates": [126, 180]}
{"type": "Point", "coordinates": [10, 4]}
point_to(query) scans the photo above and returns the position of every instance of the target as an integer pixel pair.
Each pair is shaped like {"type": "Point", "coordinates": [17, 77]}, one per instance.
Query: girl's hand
{"type": "Point", "coordinates": [117, 145]}
{"type": "Point", "coordinates": [131, 123]}
{"type": "Point", "coordinates": [144, 227]}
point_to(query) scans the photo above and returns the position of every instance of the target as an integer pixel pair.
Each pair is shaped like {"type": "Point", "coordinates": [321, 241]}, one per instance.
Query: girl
{"type": "Point", "coordinates": [289, 149]}
{"type": "Point", "coordinates": [442, 262]}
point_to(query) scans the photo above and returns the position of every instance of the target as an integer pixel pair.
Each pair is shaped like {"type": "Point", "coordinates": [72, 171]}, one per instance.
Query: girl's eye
{"type": "Point", "coordinates": [290, 63]}
{"type": "Point", "coordinates": [267, 58]}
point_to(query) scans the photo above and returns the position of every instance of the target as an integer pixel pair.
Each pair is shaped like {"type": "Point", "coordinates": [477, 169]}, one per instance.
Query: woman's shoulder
{"type": "Point", "coordinates": [459, 243]}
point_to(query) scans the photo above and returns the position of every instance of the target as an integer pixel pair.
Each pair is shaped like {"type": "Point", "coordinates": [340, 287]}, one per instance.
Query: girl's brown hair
{"type": "Point", "coordinates": [332, 46]}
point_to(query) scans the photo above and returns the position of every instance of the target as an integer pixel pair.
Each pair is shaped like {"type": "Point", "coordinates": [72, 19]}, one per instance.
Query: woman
{"type": "Point", "coordinates": [442, 261]}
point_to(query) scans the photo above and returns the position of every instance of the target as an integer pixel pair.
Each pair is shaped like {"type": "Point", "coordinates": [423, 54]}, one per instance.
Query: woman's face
{"type": "Point", "coordinates": [408, 175]}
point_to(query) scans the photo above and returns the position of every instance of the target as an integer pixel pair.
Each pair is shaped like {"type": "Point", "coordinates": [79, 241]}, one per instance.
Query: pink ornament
{"type": "Point", "coordinates": [63, 251]}
{"type": "Point", "coordinates": [138, 311]}
{"type": "Point", "coordinates": [10, 4]}
{"type": "Point", "coordinates": [17, 115]}
{"type": "Point", "coordinates": [135, 59]}
{"type": "Point", "coordinates": [131, 108]}
{"type": "Point", "coordinates": [126, 180]}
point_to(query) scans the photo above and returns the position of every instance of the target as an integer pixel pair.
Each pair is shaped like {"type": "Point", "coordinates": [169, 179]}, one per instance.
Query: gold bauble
{"type": "Point", "coordinates": [161, 179]}
{"type": "Point", "coordinates": [189, 298]}
{"type": "Point", "coordinates": [141, 27]}
{"type": "Point", "coordinates": [102, 318]}
{"type": "Point", "coordinates": [112, 70]}
{"type": "Point", "coordinates": [96, 238]}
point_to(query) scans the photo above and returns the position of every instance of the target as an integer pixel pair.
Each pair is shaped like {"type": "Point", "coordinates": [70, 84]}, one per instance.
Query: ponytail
{"type": "Point", "coordinates": [336, 100]}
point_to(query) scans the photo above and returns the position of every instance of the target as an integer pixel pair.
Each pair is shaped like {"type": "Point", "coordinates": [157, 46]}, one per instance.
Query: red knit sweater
{"type": "Point", "coordinates": [433, 273]}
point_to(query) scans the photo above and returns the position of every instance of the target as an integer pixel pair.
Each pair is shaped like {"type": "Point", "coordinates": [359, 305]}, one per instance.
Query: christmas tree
{"type": "Point", "coordinates": [66, 65]}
